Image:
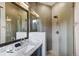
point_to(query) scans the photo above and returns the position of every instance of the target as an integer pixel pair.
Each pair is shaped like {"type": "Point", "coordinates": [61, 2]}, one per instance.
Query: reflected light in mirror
{"type": "Point", "coordinates": [8, 19]}
{"type": "Point", "coordinates": [34, 21]}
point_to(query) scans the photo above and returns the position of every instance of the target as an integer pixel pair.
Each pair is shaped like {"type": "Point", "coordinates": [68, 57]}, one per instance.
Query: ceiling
{"type": "Point", "coordinates": [48, 3]}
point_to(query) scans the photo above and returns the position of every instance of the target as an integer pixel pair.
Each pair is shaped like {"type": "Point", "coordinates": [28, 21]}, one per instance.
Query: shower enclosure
{"type": "Point", "coordinates": [63, 32]}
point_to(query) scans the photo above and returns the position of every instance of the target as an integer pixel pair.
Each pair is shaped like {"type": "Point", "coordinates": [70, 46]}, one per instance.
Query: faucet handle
{"type": "Point", "coordinates": [18, 44]}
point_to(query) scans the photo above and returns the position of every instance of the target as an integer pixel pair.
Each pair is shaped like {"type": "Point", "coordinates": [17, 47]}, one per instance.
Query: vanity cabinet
{"type": "Point", "coordinates": [38, 52]}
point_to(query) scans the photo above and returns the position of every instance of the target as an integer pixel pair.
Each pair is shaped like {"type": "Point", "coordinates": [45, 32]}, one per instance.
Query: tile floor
{"type": "Point", "coordinates": [50, 53]}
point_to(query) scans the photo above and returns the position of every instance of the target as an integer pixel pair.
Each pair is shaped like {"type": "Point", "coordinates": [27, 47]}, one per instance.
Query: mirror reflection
{"type": "Point", "coordinates": [35, 23]}
{"type": "Point", "coordinates": [16, 21]}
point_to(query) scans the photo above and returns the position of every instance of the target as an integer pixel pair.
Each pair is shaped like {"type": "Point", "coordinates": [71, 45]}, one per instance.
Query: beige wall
{"type": "Point", "coordinates": [70, 30]}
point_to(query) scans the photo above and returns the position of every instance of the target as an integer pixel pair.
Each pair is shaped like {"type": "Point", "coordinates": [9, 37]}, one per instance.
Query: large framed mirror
{"type": "Point", "coordinates": [17, 23]}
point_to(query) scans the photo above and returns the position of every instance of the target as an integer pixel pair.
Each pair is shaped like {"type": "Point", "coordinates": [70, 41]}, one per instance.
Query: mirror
{"type": "Point", "coordinates": [35, 23]}
{"type": "Point", "coordinates": [16, 19]}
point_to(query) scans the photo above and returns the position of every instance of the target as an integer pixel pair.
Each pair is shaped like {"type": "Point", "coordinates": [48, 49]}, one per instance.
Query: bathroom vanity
{"type": "Point", "coordinates": [35, 42]}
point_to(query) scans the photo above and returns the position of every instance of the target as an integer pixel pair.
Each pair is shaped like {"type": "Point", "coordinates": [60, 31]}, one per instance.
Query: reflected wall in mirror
{"type": "Point", "coordinates": [35, 23]}
{"type": "Point", "coordinates": [16, 21]}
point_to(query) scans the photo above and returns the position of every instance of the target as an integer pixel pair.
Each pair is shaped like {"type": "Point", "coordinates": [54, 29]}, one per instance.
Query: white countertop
{"type": "Point", "coordinates": [25, 51]}
{"type": "Point", "coordinates": [35, 41]}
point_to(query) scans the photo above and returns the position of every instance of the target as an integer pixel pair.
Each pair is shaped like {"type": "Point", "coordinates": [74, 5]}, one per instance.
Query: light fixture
{"type": "Point", "coordinates": [34, 13]}
{"type": "Point", "coordinates": [22, 4]}
{"type": "Point", "coordinates": [25, 4]}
